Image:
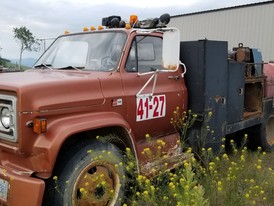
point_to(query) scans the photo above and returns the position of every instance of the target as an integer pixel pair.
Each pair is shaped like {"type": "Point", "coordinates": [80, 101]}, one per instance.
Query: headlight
{"type": "Point", "coordinates": [8, 118]}
{"type": "Point", "coordinates": [5, 117]}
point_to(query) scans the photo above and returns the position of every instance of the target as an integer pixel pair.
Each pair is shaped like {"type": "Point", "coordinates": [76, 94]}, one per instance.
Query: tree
{"type": "Point", "coordinates": [26, 40]}
{"type": "Point", "coordinates": [2, 61]}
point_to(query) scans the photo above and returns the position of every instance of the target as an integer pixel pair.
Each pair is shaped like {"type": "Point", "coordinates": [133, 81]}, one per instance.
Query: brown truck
{"type": "Point", "coordinates": [123, 86]}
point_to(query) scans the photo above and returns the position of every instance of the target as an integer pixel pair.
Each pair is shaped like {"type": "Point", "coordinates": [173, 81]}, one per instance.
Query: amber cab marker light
{"type": "Point", "coordinates": [128, 26]}
{"type": "Point", "coordinates": [40, 125]}
{"type": "Point", "coordinates": [100, 27]}
{"type": "Point", "coordinates": [85, 29]}
{"type": "Point", "coordinates": [92, 28]}
{"type": "Point", "coordinates": [133, 19]}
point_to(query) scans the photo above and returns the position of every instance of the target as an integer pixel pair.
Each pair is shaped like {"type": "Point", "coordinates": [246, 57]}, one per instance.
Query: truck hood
{"type": "Point", "coordinates": [49, 90]}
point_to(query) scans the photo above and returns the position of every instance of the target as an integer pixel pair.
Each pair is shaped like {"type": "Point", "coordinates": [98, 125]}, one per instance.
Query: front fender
{"type": "Point", "coordinates": [47, 145]}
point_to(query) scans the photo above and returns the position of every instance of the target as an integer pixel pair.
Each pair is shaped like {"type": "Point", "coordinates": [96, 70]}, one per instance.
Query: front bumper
{"type": "Point", "coordinates": [20, 189]}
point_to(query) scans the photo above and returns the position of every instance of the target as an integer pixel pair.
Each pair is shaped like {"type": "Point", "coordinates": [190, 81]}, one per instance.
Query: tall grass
{"type": "Point", "coordinates": [241, 178]}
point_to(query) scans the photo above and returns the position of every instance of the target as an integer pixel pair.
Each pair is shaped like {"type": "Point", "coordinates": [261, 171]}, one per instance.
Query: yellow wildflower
{"type": "Point", "coordinates": [145, 192]}
{"type": "Point", "coordinates": [259, 167]}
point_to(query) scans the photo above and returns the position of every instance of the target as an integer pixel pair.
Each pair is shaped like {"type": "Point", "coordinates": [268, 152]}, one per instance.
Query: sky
{"type": "Point", "coordinates": [47, 19]}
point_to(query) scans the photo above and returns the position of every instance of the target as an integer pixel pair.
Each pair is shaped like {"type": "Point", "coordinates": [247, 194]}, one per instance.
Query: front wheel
{"type": "Point", "coordinates": [92, 175]}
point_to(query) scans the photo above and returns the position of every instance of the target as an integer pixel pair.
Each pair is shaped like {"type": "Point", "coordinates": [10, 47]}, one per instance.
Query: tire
{"type": "Point", "coordinates": [90, 174]}
{"type": "Point", "coordinates": [267, 134]}
{"type": "Point", "coordinates": [263, 135]}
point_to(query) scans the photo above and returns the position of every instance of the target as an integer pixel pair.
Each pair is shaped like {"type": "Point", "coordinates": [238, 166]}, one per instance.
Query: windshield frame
{"type": "Point", "coordinates": [97, 45]}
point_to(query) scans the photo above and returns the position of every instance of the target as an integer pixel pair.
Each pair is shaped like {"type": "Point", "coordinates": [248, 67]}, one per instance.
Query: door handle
{"type": "Point", "coordinates": [174, 77]}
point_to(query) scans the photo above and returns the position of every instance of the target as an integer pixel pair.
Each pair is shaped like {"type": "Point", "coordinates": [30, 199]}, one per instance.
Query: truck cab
{"type": "Point", "coordinates": [104, 90]}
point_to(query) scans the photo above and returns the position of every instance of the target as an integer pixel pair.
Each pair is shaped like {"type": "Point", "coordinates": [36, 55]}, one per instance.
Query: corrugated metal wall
{"type": "Point", "coordinates": [252, 25]}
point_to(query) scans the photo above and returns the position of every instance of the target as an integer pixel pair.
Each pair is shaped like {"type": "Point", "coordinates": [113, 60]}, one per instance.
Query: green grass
{"type": "Point", "coordinates": [241, 178]}
{"type": "Point", "coordinates": [235, 176]}
{"type": "Point", "coordinates": [15, 66]}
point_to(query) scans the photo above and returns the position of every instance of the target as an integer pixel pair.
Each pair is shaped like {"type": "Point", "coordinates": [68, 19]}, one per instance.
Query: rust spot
{"type": "Point", "coordinates": [217, 98]}
{"type": "Point", "coordinates": [172, 67]}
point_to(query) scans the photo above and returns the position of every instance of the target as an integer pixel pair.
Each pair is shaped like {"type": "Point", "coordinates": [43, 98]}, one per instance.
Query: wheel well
{"type": "Point", "coordinates": [118, 136]}
{"type": "Point", "coordinates": [241, 138]}
{"type": "Point", "coordinates": [257, 136]}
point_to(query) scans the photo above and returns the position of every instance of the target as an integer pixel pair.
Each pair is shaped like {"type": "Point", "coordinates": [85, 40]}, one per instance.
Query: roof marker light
{"type": "Point", "coordinates": [92, 28]}
{"type": "Point", "coordinates": [133, 19]}
{"type": "Point", "coordinates": [85, 29]}
{"type": "Point", "coordinates": [100, 27]}
{"type": "Point", "coordinates": [128, 26]}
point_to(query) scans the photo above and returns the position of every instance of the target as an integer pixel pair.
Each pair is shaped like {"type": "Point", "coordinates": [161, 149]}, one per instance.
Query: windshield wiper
{"type": "Point", "coordinates": [71, 67]}
{"type": "Point", "coordinates": [43, 66]}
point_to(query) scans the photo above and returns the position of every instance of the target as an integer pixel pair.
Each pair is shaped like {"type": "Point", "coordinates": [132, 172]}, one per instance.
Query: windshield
{"type": "Point", "coordinates": [99, 51]}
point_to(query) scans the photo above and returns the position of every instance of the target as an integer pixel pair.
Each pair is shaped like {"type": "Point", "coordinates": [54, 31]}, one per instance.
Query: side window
{"type": "Point", "coordinates": [145, 54]}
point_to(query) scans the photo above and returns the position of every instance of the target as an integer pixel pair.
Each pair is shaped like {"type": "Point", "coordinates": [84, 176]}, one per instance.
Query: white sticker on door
{"type": "Point", "coordinates": [150, 107]}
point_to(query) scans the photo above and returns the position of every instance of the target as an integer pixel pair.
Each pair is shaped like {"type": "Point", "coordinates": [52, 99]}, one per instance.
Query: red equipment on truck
{"type": "Point", "coordinates": [122, 83]}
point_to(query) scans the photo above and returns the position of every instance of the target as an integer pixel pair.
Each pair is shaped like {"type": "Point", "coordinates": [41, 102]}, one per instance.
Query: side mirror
{"type": "Point", "coordinates": [171, 49]}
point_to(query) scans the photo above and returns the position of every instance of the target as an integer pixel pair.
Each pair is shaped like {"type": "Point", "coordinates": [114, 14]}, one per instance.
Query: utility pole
{"type": "Point", "coordinates": [44, 42]}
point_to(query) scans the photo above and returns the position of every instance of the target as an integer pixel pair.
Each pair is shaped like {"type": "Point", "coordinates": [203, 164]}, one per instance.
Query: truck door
{"type": "Point", "coordinates": [150, 112]}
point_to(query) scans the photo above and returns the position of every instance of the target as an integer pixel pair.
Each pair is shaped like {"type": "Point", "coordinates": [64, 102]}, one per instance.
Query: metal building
{"type": "Point", "coordinates": [251, 24]}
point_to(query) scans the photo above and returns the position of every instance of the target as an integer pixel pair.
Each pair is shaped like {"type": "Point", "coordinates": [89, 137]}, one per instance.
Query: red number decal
{"type": "Point", "coordinates": [156, 103]}
{"type": "Point", "coordinates": [140, 109]}
{"type": "Point", "coordinates": [146, 106]}
{"type": "Point", "coordinates": [162, 100]}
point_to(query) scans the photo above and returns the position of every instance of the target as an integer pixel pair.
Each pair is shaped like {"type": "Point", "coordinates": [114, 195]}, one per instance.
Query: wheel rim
{"type": "Point", "coordinates": [97, 184]}
{"type": "Point", "coordinates": [270, 131]}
